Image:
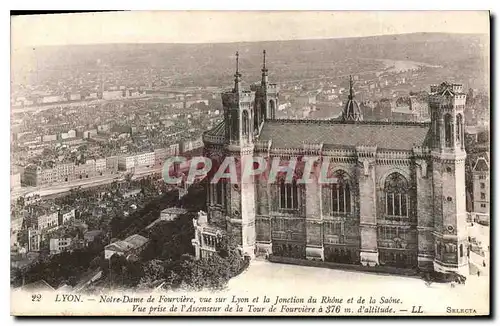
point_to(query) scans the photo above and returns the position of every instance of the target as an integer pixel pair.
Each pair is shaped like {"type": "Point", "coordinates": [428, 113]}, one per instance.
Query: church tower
{"type": "Point", "coordinates": [239, 145]}
{"type": "Point", "coordinates": [266, 97]}
{"type": "Point", "coordinates": [238, 111]}
{"type": "Point", "coordinates": [352, 111]}
{"type": "Point", "coordinates": [447, 103]}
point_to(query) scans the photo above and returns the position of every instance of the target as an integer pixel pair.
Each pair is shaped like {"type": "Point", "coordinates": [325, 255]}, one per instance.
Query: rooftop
{"type": "Point", "coordinates": [389, 135]}
{"type": "Point", "coordinates": [136, 240]}
{"type": "Point", "coordinates": [174, 210]}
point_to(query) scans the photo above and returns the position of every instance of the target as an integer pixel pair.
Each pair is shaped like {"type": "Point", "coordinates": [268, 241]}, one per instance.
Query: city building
{"type": "Point", "coordinates": [112, 163]}
{"type": "Point", "coordinates": [161, 154]}
{"type": "Point", "coordinates": [129, 162]}
{"type": "Point", "coordinates": [172, 213]}
{"type": "Point", "coordinates": [411, 108]}
{"type": "Point", "coordinates": [47, 221]}
{"type": "Point", "coordinates": [131, 245]}
{"type": "Point", "coordinates": [481, 185]}
{"type": "Point", "coordinates": [398, 198]}
{"type": "Point", "coordinates": [58, 245]}
{"type": "Point", "coordinates": [16, 224]}
{"type": "Point", "coordinates": [190, 145]}
{"type": "Point", "coordinates": [207, 237]}
{"type": "Point", "coordinates": [66, 215]}
{"type": "Point", "coordinates": [34, 240]}
{"type": "Point", "coordinates": [35, 175]}
{"type": "Point", "coordinates": [91, 236]}
{"type": "Point", "coordinates": [15, 179]}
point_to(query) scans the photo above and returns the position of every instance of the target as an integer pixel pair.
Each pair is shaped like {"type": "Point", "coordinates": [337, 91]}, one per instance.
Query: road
{"type": "Point", "coordinates": [265, 278]}
{"type": "Point", "coordinates": [78, 103]}
{"type": "Point", "coordinates": [61, 188]}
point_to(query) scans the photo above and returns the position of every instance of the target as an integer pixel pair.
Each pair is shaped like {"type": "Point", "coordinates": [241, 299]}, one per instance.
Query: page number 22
{"type": "Point", "coordinates": [36, 297]}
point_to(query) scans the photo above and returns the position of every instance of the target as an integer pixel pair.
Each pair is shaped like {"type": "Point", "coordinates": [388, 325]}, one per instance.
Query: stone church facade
{"type": "Point", "coordinates": [398, 199]}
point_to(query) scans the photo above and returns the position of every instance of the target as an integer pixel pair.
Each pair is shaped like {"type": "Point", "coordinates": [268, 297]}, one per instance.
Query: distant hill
{"type": "Point", "coordinates": [466, 50]}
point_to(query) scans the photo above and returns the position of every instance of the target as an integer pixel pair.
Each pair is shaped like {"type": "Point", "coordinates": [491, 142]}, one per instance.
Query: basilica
{"type": "Point", "coordinates": [398, 199]}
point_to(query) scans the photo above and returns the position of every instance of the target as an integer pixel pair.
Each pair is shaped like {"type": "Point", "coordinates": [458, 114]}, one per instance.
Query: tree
{"type": "Point", "coordinates": [153, 270]}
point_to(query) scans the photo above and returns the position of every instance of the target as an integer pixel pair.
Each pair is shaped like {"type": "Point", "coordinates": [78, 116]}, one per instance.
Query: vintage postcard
{"type": "Point", "coordinates": [250, 163]}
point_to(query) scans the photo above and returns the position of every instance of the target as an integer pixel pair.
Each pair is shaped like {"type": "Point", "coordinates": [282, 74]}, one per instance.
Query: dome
{"type": "Point", "coordinates": [352, 111]}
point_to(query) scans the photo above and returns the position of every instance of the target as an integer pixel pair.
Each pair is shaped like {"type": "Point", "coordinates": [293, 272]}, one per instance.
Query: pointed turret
{"type": "Point", "coordinates": [264, 70]}
{"type": "Point", "coordinates": [351, 93]}
{"type": "Point", "coordinates": [352, 111]}
{"type": "Point", "coordinates": [237, 75]}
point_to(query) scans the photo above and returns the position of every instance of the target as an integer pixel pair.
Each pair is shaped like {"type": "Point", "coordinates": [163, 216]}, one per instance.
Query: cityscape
{"type": "Point", "coordinates": [406, 127]}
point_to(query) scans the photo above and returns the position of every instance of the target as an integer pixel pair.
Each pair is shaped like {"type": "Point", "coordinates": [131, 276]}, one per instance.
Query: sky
{"type": "Point", "coordinates": [232, 26]}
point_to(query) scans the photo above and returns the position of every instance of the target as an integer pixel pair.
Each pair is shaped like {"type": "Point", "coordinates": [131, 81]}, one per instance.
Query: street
{"type": "Point", "coordinates": [97, 181]}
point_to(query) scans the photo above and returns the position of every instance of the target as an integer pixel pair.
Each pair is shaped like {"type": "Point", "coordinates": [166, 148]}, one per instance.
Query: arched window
{"type": "Point", "coordinates": [257, 119]}
{"type": "Point", "coordinates": [396, 195]}
{"type": "Point", "coordinates": [448, 130]}
{"type": "Point", "coordinates": [235, 129]}
{"type": "Point", "coordinates": [272, 106]}
{"type": "Point", "coordinates": [437, 135]}
{"type": "Point", "coordinates": [219, 192]}
{"type": "Point", "coordinates": [245, 124]}
{"type": "Point", "coordinates": [262, 111]}
{"type": "Point", "coordinates": [341, 193]}
{"type": "Point", "coordinates": [459, 130]}
{"type": "Point", "coordinates": [461, 250]}
{"type": "Point", "coordinates": [288, 195]}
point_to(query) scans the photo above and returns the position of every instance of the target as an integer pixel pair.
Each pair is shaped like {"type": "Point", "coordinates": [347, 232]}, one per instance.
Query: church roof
{"type": "Point", "coordinates": [294, 133]}
{"type": "Point", "coordinates": [218, 130]}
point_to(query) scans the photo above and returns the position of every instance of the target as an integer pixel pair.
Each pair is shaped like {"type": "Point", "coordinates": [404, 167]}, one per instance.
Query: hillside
{"type": "Point", "coordinates": [286, 58]}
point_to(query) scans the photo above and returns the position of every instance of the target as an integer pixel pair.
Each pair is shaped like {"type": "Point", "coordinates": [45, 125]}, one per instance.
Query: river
{"type": "Point", "coordinates": [404, 65]}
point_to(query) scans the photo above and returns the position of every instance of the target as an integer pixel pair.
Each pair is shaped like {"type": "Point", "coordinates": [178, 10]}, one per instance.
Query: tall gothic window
{"type": "Point", "coordinates": [262, 111]}
{"type": "Point", "coordinates": [333, 228]}
{"type": "Point", "coordinates": [235, 126]}
{"type": "Point", "coordinates": [219, 192]}
{"type": "Point", "coordinates": [341, 193]}
{"type": "Point", "coordinates": [245, 124]}
{"type": "Point", "coordinates": [396, 195]}
{"type": "Point", "coordinates": [437, 135]}
{"type": "Point", "coordinates": [448, 130]}
{"type": "Point", "coordinates": [459, 130]}
{"type": "Point", "coordinates": [272, 107]}
{"type": "Point", "coordinates": [288, 195]}
{"type": "Point", "coordinates": [256, 119]}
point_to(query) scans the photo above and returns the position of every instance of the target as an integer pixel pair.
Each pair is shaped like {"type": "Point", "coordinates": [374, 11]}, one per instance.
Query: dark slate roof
{"type": "Point", "coordinates": [388, 135]}
{"type": "Point", "coordinates": [218, 130]}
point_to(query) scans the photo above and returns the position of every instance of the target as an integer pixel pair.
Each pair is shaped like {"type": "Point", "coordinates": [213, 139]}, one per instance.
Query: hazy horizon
{"type": "Point", "coordinates": [242, 42]}
{"type": "Point", "coordinates": [219, 27]}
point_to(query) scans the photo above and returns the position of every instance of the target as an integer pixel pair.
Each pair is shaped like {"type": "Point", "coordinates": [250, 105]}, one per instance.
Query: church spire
{"type": "Point", "coordinates": [264, 69]}
{"type": "Point", "coordinates": [264, 62]}
{"type": "Point", "coordinates": [352, 111]}
{"type": "Point", "coordinates": [351, 92]}
{"type": "Point", "coordinates": [237, 75]}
